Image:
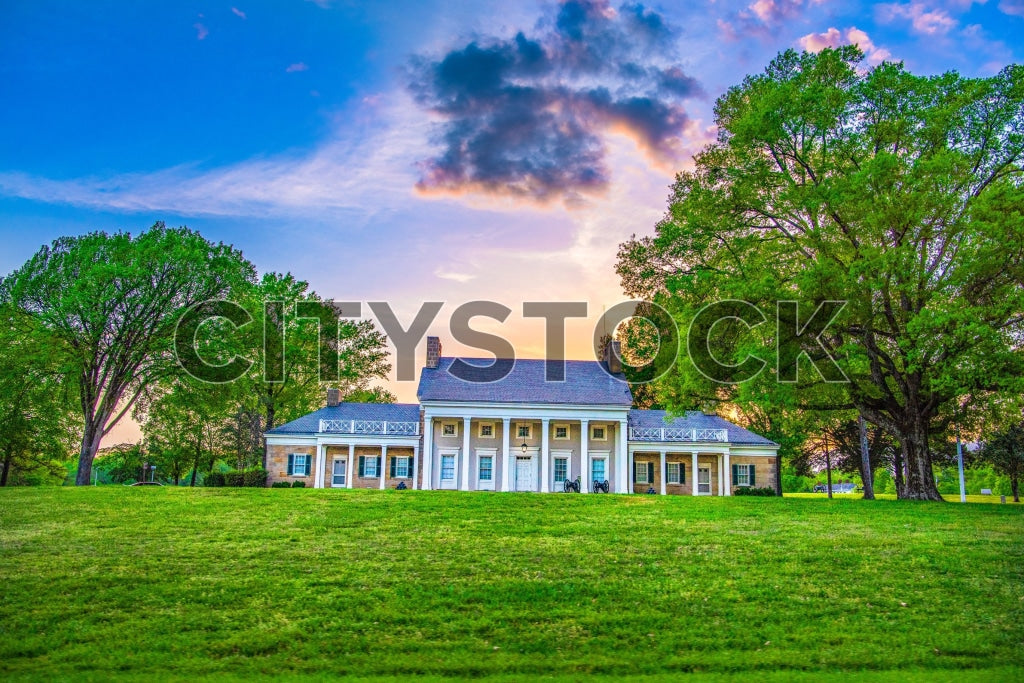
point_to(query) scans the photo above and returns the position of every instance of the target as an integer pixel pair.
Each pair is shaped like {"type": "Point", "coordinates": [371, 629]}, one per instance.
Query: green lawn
{"type": "Point", "coordinates": [176, 583]}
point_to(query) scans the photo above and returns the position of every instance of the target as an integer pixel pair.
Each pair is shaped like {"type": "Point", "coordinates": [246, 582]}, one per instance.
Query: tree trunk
{"type": "Point", "coordinates": [8, 461]}
{"type": "Point", "coordinates": [1013, 487]}
{"type": "Point", "coordinates": [867, 475]}
{"type": "Point", "coordinates": [897, 472]}
{"type": "Point", "coordinates": [267, 428]}
{"type": "Point", "coordinates": [90, 445]}
{"type": "Point", "coordinates": [920, 483]}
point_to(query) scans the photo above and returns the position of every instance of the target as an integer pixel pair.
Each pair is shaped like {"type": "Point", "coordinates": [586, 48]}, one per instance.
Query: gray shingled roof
{"type": "Point", "coordinates": [586, 383]}
{"type": "Point", "coordinates": [694, 419]}
{"type": "Point", "coordinates": [310, 424]}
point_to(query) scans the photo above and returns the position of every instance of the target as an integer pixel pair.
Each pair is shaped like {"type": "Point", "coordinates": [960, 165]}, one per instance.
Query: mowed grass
{"type": "Point", "coordinates": [146, 583]}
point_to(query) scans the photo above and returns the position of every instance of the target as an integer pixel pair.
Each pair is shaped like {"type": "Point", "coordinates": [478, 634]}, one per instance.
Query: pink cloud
{"type": "Point", "coordinates": [1014, 7]}
{"type": "Point", "coordinates": [238, 13]}
{"type": "Point", "coordinates": [297, 66]}
{"type": "Point", "coordinates": [922, 20]}
{"type": "Point", "coordinates": [833, 37]}
{"type": "Point", "coordinates": [201, 31]}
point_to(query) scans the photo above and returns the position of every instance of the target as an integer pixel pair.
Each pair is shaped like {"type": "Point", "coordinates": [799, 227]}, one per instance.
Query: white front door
{"type": "Point", "coordinates": [704, 480]}
{"type": "Point", "coordinates": [524, 474]}
{"type": "Point", "coordinates": [339, 473]}
{"type": "Point", "coordinates": [448, 472]}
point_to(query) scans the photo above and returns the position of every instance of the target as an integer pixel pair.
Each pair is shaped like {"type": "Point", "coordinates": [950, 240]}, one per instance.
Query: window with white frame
{"type": "Point", "coordinates": [644, 472]}
{"type": "Point", "coordinates": [299, 464]}
{"type": "Point", "coordinates": [744, 475]}
{"type": "Point", "coordinates": [674, 473]}
{"type": "Point", "coordinates": [599, 433]}
{"type": "Point", "coordinates": [562, 432]}
{"type": "Point", "coordinates": [370, 466]}
{"type": "Point", "coordinates": [486, 430]}
{"type": "Point", "coordinates": [449, 429]}
{"type": "Point", "coordinates": [402, 467]}
{"type": "Point", "coordinates": [486, 468]}
{"type": "Point", "coordinates": [561, 469]}
{"type": "Point", "coordinates": [597, 469]}
{"type": "Point", "coordinates": [523, 431]}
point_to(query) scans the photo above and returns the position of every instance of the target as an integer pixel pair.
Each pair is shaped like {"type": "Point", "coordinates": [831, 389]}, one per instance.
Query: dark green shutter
{"type": "Point", "coordinates": [380, 471]}
{"type": "Point", "coordinates": [394, 463]}
{"type": "Point", "coordinates": [362, 465]}
{"type": "Point", "coordinates": [291, 463]}
{"type": "Point", "coordinates": [682, 473]}
{"type": "Point", "coordinates": [751, 474]}
{"type": "Point", "coordinates": [735, 470]}
{"type": "Point", "coordinates": [309, 465]}
{"type": "Point", "coordinates": [634, 471]}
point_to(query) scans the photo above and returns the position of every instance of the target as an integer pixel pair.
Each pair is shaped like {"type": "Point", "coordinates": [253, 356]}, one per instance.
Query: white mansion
{"type": "Point", "coordinates": [520, 433]}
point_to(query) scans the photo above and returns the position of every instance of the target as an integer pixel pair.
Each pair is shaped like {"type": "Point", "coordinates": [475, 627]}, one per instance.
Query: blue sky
{"type": "Point", "coordinates": [409, 151]}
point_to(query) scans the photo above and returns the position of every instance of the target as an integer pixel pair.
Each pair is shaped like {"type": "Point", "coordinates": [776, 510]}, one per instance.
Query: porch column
{"type": "Point", "coordinates": [349, 475]}
{"type": "Point", "coordinates": [505, 460]}
{"type": "Point", "coordinates": [545, 461]}
{"type": "Point", "coordinates": [721, 480]}
{"type": "Point", "coordinates": [318, 476]}
{"type": "Point", "coordinates": [693, 475]}
{"type": "Point", "coordinates": [584, 456]}
{"type": "Point", "coordinates": [465, 453]}
{"type": "Point", "coordinates": [428, 453]}
{"type": "Point", "coordinates": [415, 467]}
{"type": "Point", "coordinates": [622, 469]}
{"type": "Point", "coordinates": [728, 474]}
{"type": "Point", "coordinates": [663, 472]}
{"type": "Point", "coordinates": [383, 464]}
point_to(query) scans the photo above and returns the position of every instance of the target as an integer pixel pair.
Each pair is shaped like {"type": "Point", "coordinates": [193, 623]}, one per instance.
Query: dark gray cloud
{"type": "Point", "coordinates": [525, 116]}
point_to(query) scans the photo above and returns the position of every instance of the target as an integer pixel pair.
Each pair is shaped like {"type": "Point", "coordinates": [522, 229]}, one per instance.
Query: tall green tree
{"type": "Point", "coordinates": [898, 194]}
{"type": "Point", "coordinates": [1005, 452]}
{"type": "Point", "coordinates": [112, 303]}
{"type": "Point", "coordinates": [36, 407]}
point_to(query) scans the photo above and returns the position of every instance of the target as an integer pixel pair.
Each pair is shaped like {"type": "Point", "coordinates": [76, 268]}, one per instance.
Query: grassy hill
{"type": "Point", "coordinates": [177, 583]}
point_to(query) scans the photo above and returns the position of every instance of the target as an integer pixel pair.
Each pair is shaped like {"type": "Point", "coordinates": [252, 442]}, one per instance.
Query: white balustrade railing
{"type": "Point", "coordinates": [677, 434]}
{"type": "Point", "coordinates": [375, 427]}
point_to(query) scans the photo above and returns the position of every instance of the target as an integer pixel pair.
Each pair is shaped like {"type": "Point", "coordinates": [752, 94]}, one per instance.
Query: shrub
{"type": "Point", "coordinates": [298, 485]}
{"type": "Point", "coordinates": [214, 479]}
{"type": "Point", "coordinates": [234, 478]}
{"type": "Point", "coordinates": [754, 491]}
{"type": "Point", "coordinates": [280, 485]}
{"type": "Point", "coordinates": [255, 478]}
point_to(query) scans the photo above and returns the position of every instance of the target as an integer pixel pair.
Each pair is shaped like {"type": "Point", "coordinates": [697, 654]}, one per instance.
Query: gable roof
{"type": "Point", "coordinates": [694, 419]}
{"type": "Point", "coordinates": [391, 412]}
{"type": "Point", "coordinates": [586, 383]}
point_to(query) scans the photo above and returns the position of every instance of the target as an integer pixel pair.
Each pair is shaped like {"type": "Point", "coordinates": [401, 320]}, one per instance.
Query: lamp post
{"type": "Point", "coordinates": [960, 457]}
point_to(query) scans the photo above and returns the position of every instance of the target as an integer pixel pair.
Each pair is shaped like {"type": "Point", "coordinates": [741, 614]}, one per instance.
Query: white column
{"type": "Point", "coordinates": [349, 474]}
{"type": "Point", "coordinates": [318, 474]}
{"type": "Point", "coordinates": [428, 453]}
{"type": "Point", "coordinates": [728, 474]}
{"type": "Point", "coordinates": [465, 453]}
{"type": "Point", "coordinates": [383, 464]}
{"type": "Point", "coordinates": [545, 461]}
{"type": "Point", "coordinates": [664, 472]}
{"type": "Point", "coordinates": [718, 469]}
{"type": "Point", "coordinates": [693, 475]}
{"type": "Point", "coordinates": [415, 467]}
{"type": "Point", "coordinates": [584, 456]}
{"type": "Point", "coordinates": [622, 460]}
{"type": "Point", "coordinates": [506, 467]}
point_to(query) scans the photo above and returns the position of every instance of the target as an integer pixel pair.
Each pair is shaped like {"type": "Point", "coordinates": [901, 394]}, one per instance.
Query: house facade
{"type": "Point", "coordinates": [531, 430]}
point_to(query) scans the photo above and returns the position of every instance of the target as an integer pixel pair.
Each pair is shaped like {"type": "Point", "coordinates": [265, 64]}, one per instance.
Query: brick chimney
{"type": "Point", "coordinates": [433, 351]}
{"type": "Point", "coordinates": [333, 397]}
{"type": "Point", "coordinates": [613, 356]}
